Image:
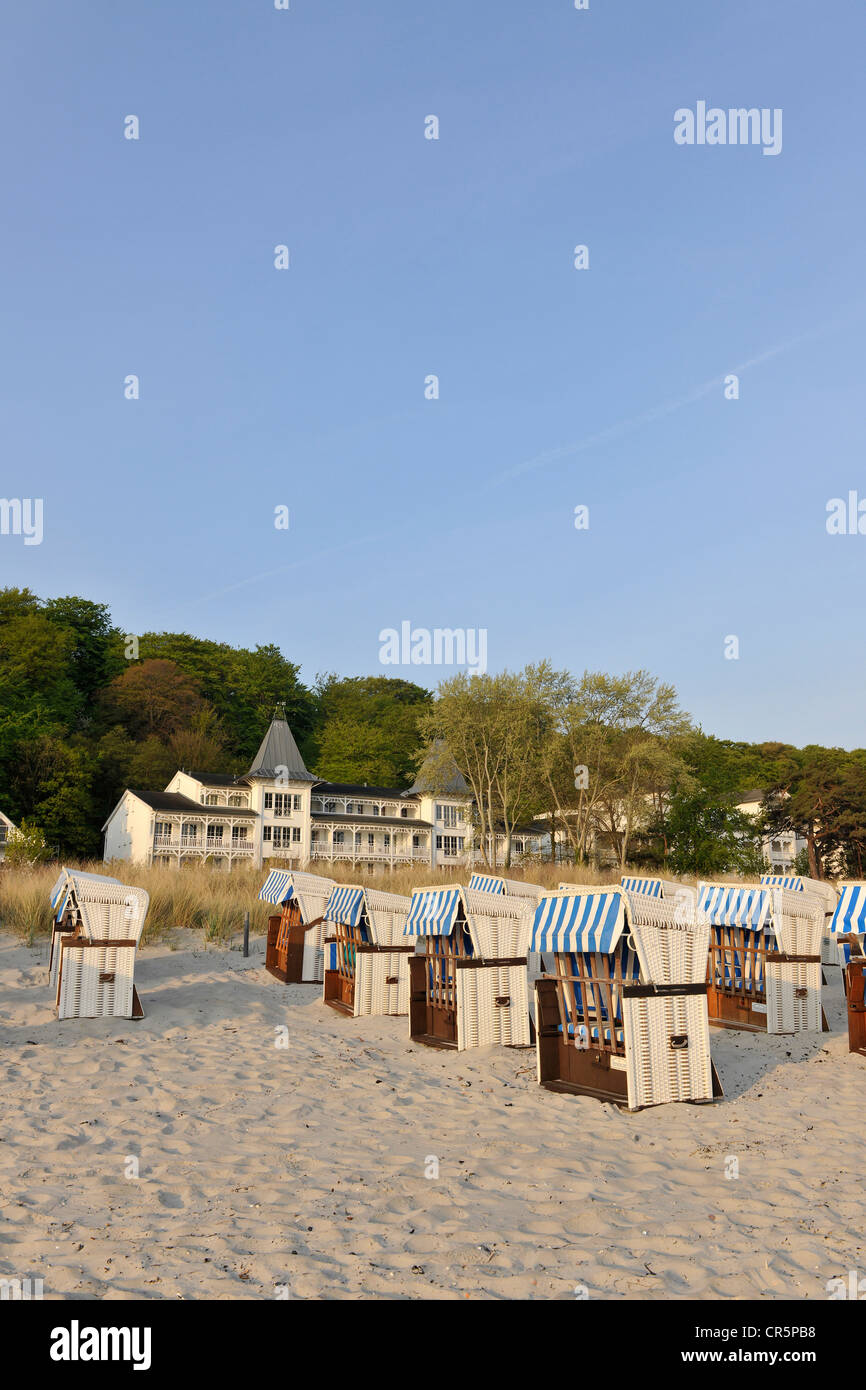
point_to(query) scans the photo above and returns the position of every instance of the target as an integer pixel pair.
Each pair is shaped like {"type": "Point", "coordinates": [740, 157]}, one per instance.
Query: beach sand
{"type": "Point", "coordinates": [301, 1171]}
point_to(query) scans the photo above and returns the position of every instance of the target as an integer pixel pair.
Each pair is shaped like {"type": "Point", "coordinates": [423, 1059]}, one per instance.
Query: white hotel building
{"type": "Point", "coordinates": [278, 811]}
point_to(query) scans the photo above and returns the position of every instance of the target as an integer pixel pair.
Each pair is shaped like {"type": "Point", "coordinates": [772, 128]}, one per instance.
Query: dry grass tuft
{"type": "Point", "coordinates": [213, 901]}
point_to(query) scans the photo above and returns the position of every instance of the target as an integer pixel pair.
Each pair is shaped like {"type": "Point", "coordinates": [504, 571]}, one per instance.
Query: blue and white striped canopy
{"type": "Point", "coordinates": [345, 905]}
{"type": "Point", "coordinates": [277, 887]}
{"type": "Point", "coordinates": [850, 914]}
{"type": "Point", "coordinates": [733, 907]}
{"type": "Point", "coordinates": [579, 922]}
{"type": "Point", "coordinates": [433, 912]}
{"type": "Point", "coordinates": [650, 886]}
{"type": "Point", "coordinates": [792, 881]}
{"type": "Point", "coordinates": [486, 883]}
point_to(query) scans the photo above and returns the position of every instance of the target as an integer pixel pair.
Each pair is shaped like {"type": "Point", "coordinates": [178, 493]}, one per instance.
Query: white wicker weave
{"type": "Point", "coordinates": [671, 945]}
{"type": "Point", "coordinates": [85, 992]}
{"type": "Point", "coordinates": [386, 916]}
{"type": "Point", "coordinates": [794, 997]}
{"type": "Point", "coordinates": [667, 1049]}
{"type": "Point", "coordinates": [481, 1020]}
{"type": "Point", "coordinates": [373, 994]}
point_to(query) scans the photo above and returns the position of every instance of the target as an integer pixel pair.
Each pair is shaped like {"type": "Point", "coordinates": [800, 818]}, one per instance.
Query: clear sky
{"type": "Point", "coordinates": [409, 257]}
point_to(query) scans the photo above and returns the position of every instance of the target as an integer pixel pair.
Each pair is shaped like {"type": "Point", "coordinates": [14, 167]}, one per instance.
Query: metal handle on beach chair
{"type": "Point", "coordinates": [679, 1041]}
{"type": "Point", "coordinates": [502, 1001]}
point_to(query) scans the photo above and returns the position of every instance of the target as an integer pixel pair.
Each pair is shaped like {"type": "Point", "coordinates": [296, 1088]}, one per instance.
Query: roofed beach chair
{"type": "Point", "coordinates": [470, 986]}
{"type": "Point", "coordinates": [99, 925]}
{"type": "Point", "coordinates": [848, 924]}
{"type": "Point", "coordinates": [765, 958]}
{"type": "Point", "coordinates": [70, 884]}
{"type": "Point", "coordinates": [294, 952]}
{"type": "Point", "coordinates": [366, 956]}
{"type": "Point", "coordinates": [822, 889]}
{"type": "Point", "coordinates": [624, 1017]}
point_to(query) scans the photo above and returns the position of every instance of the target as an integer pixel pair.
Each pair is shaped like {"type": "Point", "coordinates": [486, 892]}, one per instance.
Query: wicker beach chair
{"type": "Point", "coordinates": [470, 987]}
{"type": "Point", "coordinates": [822, 889]}
{"type": "Point", "coordinates": [294, 952]}
{"type": "Point", "coordinates": [94, 948]}
{"type": "Point", "coordinates": [366, 956]}
{"type": "Point", "coordinates": [624, 1017]}
{"type": "Point", "coordinates": [848, 924]}
{"type": "Point", "coordinates": [765, 958]}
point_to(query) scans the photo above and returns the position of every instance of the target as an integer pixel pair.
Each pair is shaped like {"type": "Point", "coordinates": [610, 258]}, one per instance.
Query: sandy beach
{"type": "Point", "coordinates": [268, 1171]}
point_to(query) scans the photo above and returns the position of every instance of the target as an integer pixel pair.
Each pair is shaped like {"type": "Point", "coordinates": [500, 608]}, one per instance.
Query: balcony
{"type": "Point", "coordinates": [189, 844]}
{"type": "Point", "coordinates": [361, 854]}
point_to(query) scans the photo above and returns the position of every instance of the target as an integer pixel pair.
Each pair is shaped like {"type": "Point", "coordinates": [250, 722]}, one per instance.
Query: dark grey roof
{"type": "Point", "coordinates": [439, 773]}
{"type": "Point", "coordinates": [338, 818]}
{"type": "Point", "coordinates": [279, 756]}
{"type": "Point", "coordinates": [175, 801]}
{"type": "Point", "coordinates": [361, 793]}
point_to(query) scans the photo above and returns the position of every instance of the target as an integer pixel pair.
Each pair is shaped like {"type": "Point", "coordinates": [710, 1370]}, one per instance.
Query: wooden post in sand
{"type": "Point", "coordinates": [246, 933]}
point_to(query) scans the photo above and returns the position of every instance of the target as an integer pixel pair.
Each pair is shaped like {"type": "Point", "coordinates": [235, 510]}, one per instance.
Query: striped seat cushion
{"type": "Point", "coordinates": [592, 1035]}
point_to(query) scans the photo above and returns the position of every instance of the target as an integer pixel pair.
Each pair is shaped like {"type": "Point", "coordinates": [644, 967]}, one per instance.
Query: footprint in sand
{"type": "Point", "coordinates": [170, 1199]}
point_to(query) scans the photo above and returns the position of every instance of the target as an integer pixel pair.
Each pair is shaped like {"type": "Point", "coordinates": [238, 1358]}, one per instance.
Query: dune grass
{"type": "Point", "coordinates": [212, 901]}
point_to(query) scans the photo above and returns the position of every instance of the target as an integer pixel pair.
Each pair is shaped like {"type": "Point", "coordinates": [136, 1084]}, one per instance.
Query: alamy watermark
{"type": "Point", "coordinates": [22, 516]}
{"type": "Point", "coordinates": [736, 126]}
{"type": "Point", "coordinates": [441, 646]}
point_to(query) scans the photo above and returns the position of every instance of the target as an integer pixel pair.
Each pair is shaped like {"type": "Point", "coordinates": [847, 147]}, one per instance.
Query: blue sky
{"type": "Point", "coordinates": [409, 257]}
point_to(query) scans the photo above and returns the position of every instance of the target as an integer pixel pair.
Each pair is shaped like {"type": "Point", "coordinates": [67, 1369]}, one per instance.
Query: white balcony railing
{"type": "Point", "coordinates": [211, 845]}
{"type": "Point", "coordinates": [361, 852]}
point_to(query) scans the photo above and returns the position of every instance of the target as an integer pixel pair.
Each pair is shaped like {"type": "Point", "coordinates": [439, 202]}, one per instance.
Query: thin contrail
{"type": "Point", "coordinates": [658, 412]}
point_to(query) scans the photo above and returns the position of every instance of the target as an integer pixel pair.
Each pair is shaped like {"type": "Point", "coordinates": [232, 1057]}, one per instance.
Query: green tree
{"type": "Point", "coordinates": [367, 729]}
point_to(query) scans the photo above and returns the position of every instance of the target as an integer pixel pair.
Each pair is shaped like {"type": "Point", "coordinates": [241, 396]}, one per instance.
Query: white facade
{"type": "Point", "coordinates": [781, 847]}
{"type": "Point", "coordinates": [281, 813]}
{"type": "Point", "coordinates": [6, 828]}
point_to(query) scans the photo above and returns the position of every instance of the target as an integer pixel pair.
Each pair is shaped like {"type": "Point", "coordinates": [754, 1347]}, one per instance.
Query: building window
{"type": "Point", "coordinates": [330, 807]}
{"type": "Point", "coordinates": [776, 846]}
{"type": "Point", "coordinates": [269, 800]}
{"type": "Point", "coordinates": [266, 832]}
{"type": "Point", "coordinates": [387, 840]}
{"type": "Point", "coordinates": [416, 841]}
{"type": "Point", "coordinates": [296, 802]}
{"type": "Point", "coordinates": [296, 834]}
{"type": "Point", "coordinates": [360, 808]}
{"type": "Point", "coordinates": [371, 841]}
{"type": "Point", "coordinates": [239, 832]}
{"type": "Point", "coordinates": [338, 837]}
{"type": "Point", "coordinates": [447, 815]}
{"type": "Point", "coordinates": [449, 844]}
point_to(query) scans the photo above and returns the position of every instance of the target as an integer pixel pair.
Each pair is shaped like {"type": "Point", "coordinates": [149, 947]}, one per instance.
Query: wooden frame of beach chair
{"type": "Point", "coordinates": [96, 966]}
{"type": "Point", "coordinates": [855, 996]}
{"type": "Point", "coordinates": [367, 960]}
{"type": "Point", "coordinates": [822, 889]}
{"type": "Point", "coordinates": [470, 987]}
{"type": "Point", "coordinates": [294, 952]}
{"type": "Point", "coordinates": [764, 968]}
{"type": "Point", "coordinates": [848, 925]}
{"type": "Point", "coordinates": [624, 1018]}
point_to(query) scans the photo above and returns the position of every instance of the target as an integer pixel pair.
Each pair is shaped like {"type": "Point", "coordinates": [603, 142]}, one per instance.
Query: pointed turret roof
{"type": "Point", "coordinates": [439, 773]}
{"type": "Point", "coordinates": [278, 754]}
